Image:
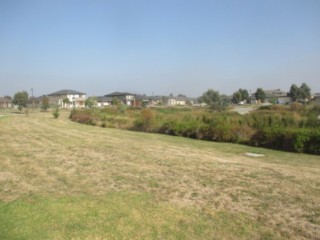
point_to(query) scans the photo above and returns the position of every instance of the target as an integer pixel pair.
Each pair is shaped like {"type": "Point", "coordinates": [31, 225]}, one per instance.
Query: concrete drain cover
{"type": "Point", "coordinates": [254, 154]}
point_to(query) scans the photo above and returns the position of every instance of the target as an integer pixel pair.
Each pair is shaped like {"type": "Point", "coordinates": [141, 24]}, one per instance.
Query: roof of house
{"type": "Point", "coordinates": [7, 100]}
{"type": "Point", "coordinates": [117, 94]}
{"type": "Point", "coordinates": [148, 98]}
{"type": "Point", "coordinates": [65, 92]}
{"type": "Point", "coordinates": [275, 93]}
{"type": "Point", "coordinates": [104, 99]}
{"type": "Point", "coordinates": [181, 98]}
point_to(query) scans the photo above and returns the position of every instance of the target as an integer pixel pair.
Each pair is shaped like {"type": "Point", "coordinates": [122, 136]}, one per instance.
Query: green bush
{"type": "Point", "coordinates": [56, 112]}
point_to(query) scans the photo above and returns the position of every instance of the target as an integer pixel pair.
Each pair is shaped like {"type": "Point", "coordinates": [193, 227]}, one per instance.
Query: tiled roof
{"type": "Point", "coordinates": [115, 94]}
{"type": "Point", "coordinates": [65, 91]}
{"type": "Point", "coordinates": [275, 93]}
{"type": "Point", "coordinates": [104, 99]}
{"type": "Point", "coordinates": [2, 99]}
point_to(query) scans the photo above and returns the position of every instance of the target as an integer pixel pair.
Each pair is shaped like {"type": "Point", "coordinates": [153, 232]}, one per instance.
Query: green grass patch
{"type": "Point", "coordinates": [117, 216]}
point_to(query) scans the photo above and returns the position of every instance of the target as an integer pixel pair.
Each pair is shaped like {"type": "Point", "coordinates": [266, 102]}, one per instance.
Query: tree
{"type": "Point", "coordinates": [213, 99]}
{"type": "Point", "coordinates": [21, 99]}
{"type": "Point", "coordinates": [301, 94]}
{"type": "Point", "coordinates": [45, 103]}
{"type": "Point", "coordinates": [66, 101]}
{"type": "Point", "coordinates": [305, 92]}
{"type": "Point", "coordinates": [244, 94]}
{"type": "Point", "coordinates": [294, 92]}
{"type": "Point", "coordinates": [90, 102]}
{"type": "Point", "coordinates": [240, 95]}
{"type": "Point", "coordinates": [210, 97]}
{"type": "Point", "coordinates": [236, 97]}
{"type": "Point", "coordinates": [260, 95]}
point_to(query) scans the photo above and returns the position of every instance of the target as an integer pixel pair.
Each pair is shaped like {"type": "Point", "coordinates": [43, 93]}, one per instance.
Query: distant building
{"type": "Point", "coordinates": [76, 99]}
{"type": "Point", "coordinates": [277, 96]}
{"type": "Point", "coordinates": [178, 101]}
{"type": "Point", "coordinates": [6, 102]}
{"type": "Point", "coordinates": [316, 97]}
{"type": "Point", "coordinates": [125, 97]}
{"type": "Point", "coordinates": [103, 101]}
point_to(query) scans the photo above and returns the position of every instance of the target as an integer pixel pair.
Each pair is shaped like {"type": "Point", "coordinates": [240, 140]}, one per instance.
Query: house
{"type": "Point", "coordinates": [316, 97]}
{"type": "Point", "coordinates": [172, 101]}
{"type": "Point", "coordinates": [181, 100]}
{"type": "Point", "coordinates": [67, 98]}
{"type": "Point", "coordinates": [125, 97]}
{"type": "Point", "coordinates": [144, 100]}
{"type": "Point", "coordinates": [6, 102]}
{"type": "Point", "coordinates": [177, 101]}
{"type": "Point", "coordinates": [157, 100]}
{"type": "Point", "coordinates": [103, 101]}
{"type": "Point", "coordinates": [277, 96]}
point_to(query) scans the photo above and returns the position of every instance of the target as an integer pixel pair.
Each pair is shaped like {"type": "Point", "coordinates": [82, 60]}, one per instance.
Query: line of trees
{"type": "Point", "coordinates": [216, 101]}
{"type": "Point", "coordinates": [300, 94]}
{"type": "Point", "coordinates": [242, 95]}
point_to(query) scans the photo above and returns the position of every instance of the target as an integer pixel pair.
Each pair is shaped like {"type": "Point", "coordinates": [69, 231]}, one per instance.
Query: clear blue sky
{"type": "Point", "coordinates": [158, 46]}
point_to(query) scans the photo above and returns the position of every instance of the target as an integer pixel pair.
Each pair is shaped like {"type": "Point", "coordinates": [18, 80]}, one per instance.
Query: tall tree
{"type": "Point", "coordinates": [213, 99]}
{"type": "Point", "coordinates": [21, 99]}
{"type": "Point", "coordinates": [240, 95]}
{"type": "Point", "coordinates": [302, 93]}
{"type": "Point", "coordinates": [305, 92]}
{"type": "Point", "coordinates": [260, 95]}
{"type": "Point", "coordinates": [244, 94]}
{"type": "Point", "coordinates": [236, 97]}
{"type": "Point", "coordinates": [210, 97]}
{"type": "Point", "coordinates": [294, 92]}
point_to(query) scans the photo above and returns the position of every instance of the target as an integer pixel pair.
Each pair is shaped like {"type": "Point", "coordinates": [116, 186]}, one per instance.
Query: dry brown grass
{"type": "Point", "coordinates": [56, 157]}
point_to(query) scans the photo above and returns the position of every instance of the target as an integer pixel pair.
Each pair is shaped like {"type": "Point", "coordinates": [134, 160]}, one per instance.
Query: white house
{"type": "Point", "coordinates": [177, 101]}
{"type": "Point", "coordinates": [125, 97]}
{"type": "Point", "coordinates": [104, 101]}
{"type": "Point", "coordinates": [75, 99]}
{"type": "Point", "coordinates": [181, 101]}
{"type": "Point", "coordinates": [172, 101]}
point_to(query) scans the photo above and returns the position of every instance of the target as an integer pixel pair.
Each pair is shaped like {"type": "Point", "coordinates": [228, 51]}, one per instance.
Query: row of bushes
{"type": "Point", "coordinates": [302, 140]}
{"type": "Point", "coordinates": [273, 127]}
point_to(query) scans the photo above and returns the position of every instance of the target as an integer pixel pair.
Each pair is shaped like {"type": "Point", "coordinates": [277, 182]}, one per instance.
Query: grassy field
{"type": "Point", "coordinates": [63, 180]}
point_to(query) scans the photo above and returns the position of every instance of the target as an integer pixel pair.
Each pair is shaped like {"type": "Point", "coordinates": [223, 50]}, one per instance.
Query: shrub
{"type": "Point", "coordinates": [56, 112]}
{"type": "Point", "coordinates": [147, 119]}
{"type": "Point", "coordinates": [83, 116]}
{"type": "Point", "coordinates": [297, 107]}
{"type": "Point", "coordinates": [299, 140]}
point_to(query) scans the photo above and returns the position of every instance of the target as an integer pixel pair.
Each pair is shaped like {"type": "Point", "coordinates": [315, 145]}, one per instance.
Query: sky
{"type": "Point", "coordinates": [158, 47]}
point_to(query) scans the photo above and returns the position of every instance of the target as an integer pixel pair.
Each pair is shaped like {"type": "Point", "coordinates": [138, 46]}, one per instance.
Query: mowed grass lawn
{"type": "Point", "coordinates": [64, 180]}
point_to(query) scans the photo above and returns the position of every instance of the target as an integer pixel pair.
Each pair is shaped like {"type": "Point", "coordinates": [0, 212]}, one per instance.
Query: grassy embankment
{"type": "Point", "coordinates": [63, 180]}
